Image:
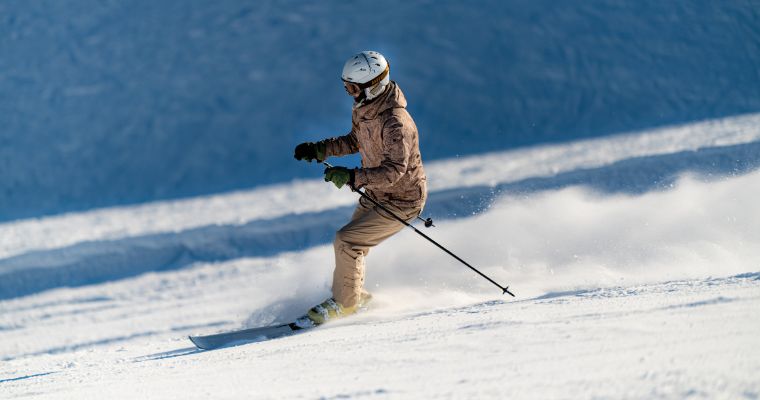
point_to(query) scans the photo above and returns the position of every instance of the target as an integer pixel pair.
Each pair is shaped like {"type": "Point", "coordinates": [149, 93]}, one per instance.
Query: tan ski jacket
{"type": "Point", "coordinates": [386, 136]}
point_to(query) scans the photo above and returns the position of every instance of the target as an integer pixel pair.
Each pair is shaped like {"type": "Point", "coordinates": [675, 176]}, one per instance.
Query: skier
{"type": "Point", "coordinates": [391, 173]}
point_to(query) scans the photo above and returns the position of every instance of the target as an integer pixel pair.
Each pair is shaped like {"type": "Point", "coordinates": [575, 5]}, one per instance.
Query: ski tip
{"type": "Point", "coordinates": [196, 343]}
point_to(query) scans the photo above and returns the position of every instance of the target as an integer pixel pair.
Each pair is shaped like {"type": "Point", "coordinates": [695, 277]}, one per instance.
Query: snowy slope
{"type": "Point", "coordinates": [635, 258]}
{"type": "Point", "coordinates": [107, 103]}
{"type": "Point", "coordinates": [679, 339]}
{"type": "Point", "coordinates": [101, 245]}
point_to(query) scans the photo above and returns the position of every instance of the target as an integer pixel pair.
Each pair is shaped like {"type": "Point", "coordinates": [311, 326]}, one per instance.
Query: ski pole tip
{"type": "Point", "coordinates": [506, 290]}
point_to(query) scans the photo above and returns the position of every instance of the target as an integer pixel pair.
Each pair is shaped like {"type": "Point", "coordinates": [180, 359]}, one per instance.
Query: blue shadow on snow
{"type": "Point", "coordinates": [96, 262]}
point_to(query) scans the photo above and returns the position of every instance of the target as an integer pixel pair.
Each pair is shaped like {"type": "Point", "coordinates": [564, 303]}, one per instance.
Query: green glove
{"type": "Point", "coordinates": [310, 151]}
{"type": "Point", "coordinates": [339, 176]}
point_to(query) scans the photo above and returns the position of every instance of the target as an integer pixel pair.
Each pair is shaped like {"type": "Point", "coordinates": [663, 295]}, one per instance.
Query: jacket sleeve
{"type": "Point", "coordinates": [397, 140]}
{"type": "Point", "coordinates": [341, 145]}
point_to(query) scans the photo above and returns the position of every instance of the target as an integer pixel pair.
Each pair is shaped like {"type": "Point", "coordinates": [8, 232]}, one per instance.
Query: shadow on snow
{"type": "Point", "coordinates": [102, 261]}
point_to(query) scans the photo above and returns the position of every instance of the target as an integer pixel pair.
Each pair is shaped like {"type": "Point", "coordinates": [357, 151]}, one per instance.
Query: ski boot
{"type": "Point", "coordinates": [331, 309]}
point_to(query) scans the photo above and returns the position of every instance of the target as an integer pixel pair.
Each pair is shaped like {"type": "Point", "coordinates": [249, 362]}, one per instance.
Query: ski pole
{"type": "Point", "coordinates": [505, 289]}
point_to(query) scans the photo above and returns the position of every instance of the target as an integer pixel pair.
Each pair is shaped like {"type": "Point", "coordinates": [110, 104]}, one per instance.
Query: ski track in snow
{"type": "Point", "coordinates": [635, 258]}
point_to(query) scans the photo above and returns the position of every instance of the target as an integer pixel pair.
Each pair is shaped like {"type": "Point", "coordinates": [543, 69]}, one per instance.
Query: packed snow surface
{"type": "Point", "coordinates": [635, 260]}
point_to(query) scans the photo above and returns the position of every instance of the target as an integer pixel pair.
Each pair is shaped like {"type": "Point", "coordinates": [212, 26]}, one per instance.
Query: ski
{"type": "Point", "coordinates": [234, 338]}
{"type": "Point", "coordinates": [243, 336]}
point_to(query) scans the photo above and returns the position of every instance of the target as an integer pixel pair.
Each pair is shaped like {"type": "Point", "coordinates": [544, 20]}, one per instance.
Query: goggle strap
{"type": "Point", "coordinates": [375, 80]}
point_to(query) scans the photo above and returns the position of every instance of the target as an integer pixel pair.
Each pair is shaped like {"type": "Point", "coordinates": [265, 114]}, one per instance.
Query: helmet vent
{"type": "Point", "coordinates": [366, 68]}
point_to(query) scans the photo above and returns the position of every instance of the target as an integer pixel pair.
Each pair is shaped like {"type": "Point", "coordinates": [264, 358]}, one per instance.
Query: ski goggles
{"type": "Point", "coordinates": [352, 88]}
{"type": "Point", "coordinates": [355, 89]}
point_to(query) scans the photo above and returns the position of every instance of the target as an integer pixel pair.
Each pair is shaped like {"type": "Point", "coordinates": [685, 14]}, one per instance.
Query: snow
{"type": "Point", "coordinates": [677, 339]}
{"type": "Point", "coordinates": [489, 169]}
{"type": "Point", "coordinates": [602, 158]}
{"type": "Point", "coordinates": [107, 103]}
{"type": "Point", "coordinates": [635, 259]}
{"type": "Point", "coordinates": [41, 253]}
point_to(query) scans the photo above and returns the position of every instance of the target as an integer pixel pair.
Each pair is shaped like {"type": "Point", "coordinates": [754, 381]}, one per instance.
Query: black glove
{"type": "Point", "coordinates": [310, 151]}
{"type": "Point", "coordinates": [340, 176]}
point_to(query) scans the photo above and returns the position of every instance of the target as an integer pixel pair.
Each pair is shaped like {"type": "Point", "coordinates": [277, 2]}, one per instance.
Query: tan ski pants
{"type": "Point", "coordinates": [368, 227]}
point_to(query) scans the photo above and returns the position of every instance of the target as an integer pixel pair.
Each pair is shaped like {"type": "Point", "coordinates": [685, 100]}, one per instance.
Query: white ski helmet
{"type": "Point", "coordinates": [368, 72]}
